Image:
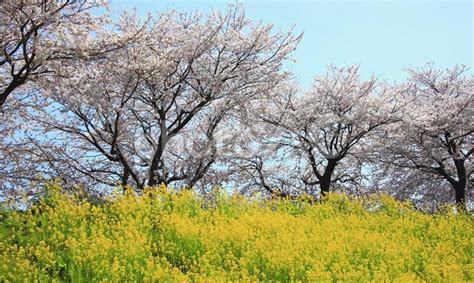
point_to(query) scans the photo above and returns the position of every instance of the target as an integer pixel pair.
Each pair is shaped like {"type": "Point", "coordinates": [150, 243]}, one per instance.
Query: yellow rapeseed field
{"type": "Point", "coordinates": [177, 236]}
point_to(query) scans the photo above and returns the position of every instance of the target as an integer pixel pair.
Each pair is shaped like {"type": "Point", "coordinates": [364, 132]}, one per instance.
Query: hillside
{"type": "Point", "coordinates": [178, 236]}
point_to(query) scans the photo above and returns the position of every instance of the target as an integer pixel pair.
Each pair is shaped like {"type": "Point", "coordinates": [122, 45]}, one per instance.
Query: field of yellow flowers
{"type": "Point", "coordinates": [177, 236]}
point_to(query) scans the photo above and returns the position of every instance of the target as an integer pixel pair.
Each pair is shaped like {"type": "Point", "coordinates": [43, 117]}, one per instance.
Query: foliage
{"type": "Point", "coordinates": [326, 130]}
{"type": "Point", "coordinates": [429, 153]}
{"type": "Point", "coordinates": [41, 42]}
{"type": "Point", "coordinates": [155, 110]}
{"type": "Point", "coordinates": [176, 235]}
{"type": "Point", "coordinates": [198, 99]}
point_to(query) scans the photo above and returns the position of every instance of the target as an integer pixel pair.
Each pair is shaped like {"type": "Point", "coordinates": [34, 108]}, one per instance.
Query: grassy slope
{"type": "Point", "coordinates": [171, 236]}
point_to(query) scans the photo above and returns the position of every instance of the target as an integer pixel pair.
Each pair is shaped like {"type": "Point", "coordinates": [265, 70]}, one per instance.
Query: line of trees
{"type": "Point", "coordinates": [198, 100]}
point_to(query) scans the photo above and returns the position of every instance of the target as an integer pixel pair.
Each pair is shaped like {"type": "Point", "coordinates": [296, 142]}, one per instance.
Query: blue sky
{"type": "Point", "coordinates": [382, 36]}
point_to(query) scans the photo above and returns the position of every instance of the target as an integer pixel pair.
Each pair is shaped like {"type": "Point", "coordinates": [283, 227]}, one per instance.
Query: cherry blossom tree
{"type": "Point", "coordinates": [429, 153]}
{"type": "Point", "coordinates": [152, 112]}
{"type": "Point", "coordinates": [36, 35]}
{"type": "Point", "coordinates": [41, 42]}
{"type": "Point", "coordinates": [326, 129]}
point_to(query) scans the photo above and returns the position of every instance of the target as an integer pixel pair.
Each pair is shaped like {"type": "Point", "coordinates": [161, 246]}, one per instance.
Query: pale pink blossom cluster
{"type": "Point", "coordinates": [196, 100]}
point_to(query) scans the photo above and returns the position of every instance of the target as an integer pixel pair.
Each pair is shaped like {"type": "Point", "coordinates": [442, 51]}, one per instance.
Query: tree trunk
{"type": "Point", "coordinates": [460, 186]}
{"type": "Point", "coordinates": [156, 165]}
{"type": "Point", "coordinates": [460, 193]}
{"type": "Point", "coordinates": [156, 182]}
{"type": "Point", "coordinates": [325, 181]}
{"type": "Point", "coordinates": [324, 186]}
{"type": "Point", "coordinates": [125, 177]}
